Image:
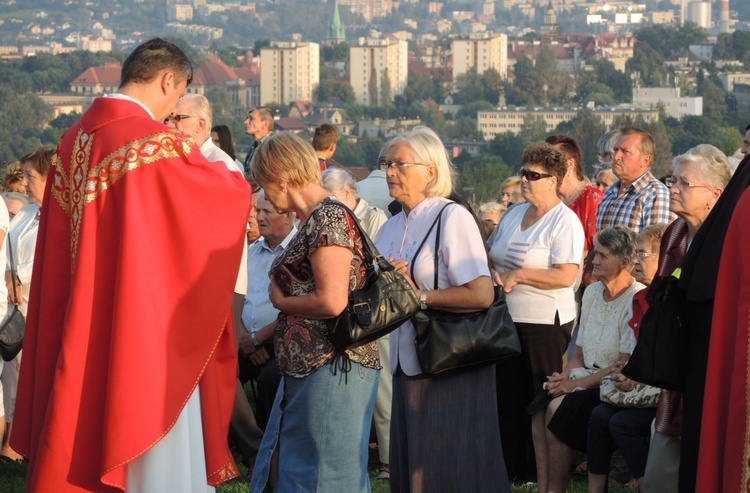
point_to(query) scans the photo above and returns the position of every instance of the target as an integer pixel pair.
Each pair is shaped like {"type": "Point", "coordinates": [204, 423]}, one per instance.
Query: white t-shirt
{"type": "Point", "coordinates": [461, 259]}
{"type": "Point", "coordinates": [556, 238]}
{"type": "Point", "coordinates": [4, 227]}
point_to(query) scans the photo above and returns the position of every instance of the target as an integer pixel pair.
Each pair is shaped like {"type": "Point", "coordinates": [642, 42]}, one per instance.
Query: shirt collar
{"type": "Point", "coordinates": [639, 183]}
{"type": "Point", "coordinates": [117, 95]}
{"type": "Point", "coordinates": [284, 243]}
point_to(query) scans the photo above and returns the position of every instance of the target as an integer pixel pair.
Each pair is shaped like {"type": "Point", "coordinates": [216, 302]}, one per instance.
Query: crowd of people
{"type": "Point", "coordinates": [161, 277]}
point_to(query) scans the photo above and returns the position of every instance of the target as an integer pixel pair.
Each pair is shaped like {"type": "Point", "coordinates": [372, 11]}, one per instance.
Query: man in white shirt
{"type": "Point", "coordinates": [256, 359]}
{"type": "Point", "coordinates": [374, 189]}
{"type": "Point", "coordinates": [193, 116]}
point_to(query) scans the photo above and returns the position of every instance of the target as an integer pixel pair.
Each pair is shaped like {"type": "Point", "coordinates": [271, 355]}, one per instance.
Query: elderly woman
{"type": "Point", "coordinates": [604, 342]}
{"type": "Point", "coordinates": [444, 433]}
{"type": "Point", "coordinates": [491, 212]}
{"type": "Point", "coordinates": [627, 429]}
{"type": "Point", "coordinates": [536, 256]}
{"type": "Point", "coordinates": [343, 186]}
{"type": "Point", "coordinates": [698, 180]}
{"type": "Point", "coordinates": [15, 201]}
{"type": "Point", "coordinates": [605, 179]}
{"type": "Point", "coordinates": [317, 434]}
{"type": "Point", "coordinates": [22, 234]}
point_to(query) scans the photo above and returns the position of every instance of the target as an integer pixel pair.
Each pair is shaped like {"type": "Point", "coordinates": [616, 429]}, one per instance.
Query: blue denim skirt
{"type": "Point", "coordinates": [321, 426]}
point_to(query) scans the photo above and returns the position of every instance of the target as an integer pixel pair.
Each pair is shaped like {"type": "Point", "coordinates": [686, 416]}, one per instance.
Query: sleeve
{"type": "Point", "coordinates": [593, 199]}
{"type": "Point", "coordinates": [659, 213]}
{"type": "Point", "coordinates": [240, 287]}
{"type": "Point", "coordinates": [4, 217]}
{"type": "Point", "coordinates": [627, 338]}
{"type": "Point", "coordinates": [585, 311]}
{"type": "Point", "coordinates": [331, 226]}
{"type": "Point", "coordinates": [567, 241]}
{"type": "Point", "coordinates": [461, 247]}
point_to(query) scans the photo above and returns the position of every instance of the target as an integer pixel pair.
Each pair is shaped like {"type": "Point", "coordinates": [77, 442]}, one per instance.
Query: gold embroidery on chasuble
{"type": "Point", "coordinates": [84, 183]}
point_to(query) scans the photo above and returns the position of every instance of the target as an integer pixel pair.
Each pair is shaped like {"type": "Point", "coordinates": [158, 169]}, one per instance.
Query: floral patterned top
{"type": "Point", "coordinates": [585, 208]}
{"type": "Point", "coordinates": [303, 345]}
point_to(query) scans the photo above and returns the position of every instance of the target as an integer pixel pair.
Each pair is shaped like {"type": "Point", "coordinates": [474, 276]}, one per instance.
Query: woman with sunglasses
{"type": "Point", "coordinates": [536, 257]}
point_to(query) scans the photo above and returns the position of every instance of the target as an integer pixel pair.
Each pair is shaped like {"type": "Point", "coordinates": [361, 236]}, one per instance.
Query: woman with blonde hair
{"type": "Point", "coordinates": [318, 432]}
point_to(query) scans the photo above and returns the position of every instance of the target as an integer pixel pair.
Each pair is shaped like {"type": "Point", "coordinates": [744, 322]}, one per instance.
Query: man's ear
{"type": "Point", "coordinates": [167, 81]}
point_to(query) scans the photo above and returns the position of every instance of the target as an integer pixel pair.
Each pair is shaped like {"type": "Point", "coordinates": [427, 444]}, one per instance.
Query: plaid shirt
{"type": "Point", "coordinates": [645, 202]}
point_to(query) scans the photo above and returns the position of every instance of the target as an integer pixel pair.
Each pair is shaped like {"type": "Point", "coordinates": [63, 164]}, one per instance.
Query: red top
{"type": "Point", "coordinates": [640, 307]}
{"type": "Point", "coordinates": [585, 208]}
{"type": "Point", "coordinates": [139, 242]}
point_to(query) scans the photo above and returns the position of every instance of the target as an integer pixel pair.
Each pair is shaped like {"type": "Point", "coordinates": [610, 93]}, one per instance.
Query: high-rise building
{"type": "Point", "coordinates": [290, 71]}
{"type": "Point", "coordinates": [373, 62]}
{"type": "Point", "coordinates": [480, 51]}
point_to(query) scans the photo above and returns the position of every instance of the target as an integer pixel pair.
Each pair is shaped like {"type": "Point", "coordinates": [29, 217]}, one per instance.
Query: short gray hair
{"type": "Point", "coordinates": [712, 164]}
{"type": "Point", "coordinates": [492, 207]}
{"type": "Point", "coordinates": [619, 240]}
{"type": "Point", "coordinates": [336, 180]}
{"type": "Point", "coordinates": [427, 148]}
{"type": "Point", "coordinates": [201, 106]}
{"type": "Point", "coordinates": [607, 142]}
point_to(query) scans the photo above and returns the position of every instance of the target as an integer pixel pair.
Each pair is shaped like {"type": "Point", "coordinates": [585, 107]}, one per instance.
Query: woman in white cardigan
{"type": "Point", "coordinates": [22, 234]}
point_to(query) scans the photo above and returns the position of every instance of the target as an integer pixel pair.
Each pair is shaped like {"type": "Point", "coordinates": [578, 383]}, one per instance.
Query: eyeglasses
{"type": "Point", "coordinates": [682, 183]}
{"type": "Point", "coordinates": [532, 175]}
{"type": "Point", "coordinates": [177, 118]}
{"type": "Point", "coordinates": [640, 256]}
{"type": "Point", "coordinates": [385, 165]}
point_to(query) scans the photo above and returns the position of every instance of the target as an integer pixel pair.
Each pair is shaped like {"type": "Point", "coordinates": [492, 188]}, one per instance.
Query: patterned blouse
{"type": "Point", "coordinates": [303, 345]}
{"type": "Point", "coordinates": [585, 208]}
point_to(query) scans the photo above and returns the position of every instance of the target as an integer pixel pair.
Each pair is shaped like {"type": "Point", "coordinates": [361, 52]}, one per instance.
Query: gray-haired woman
{"type": "Point", "coordinates": [604, 344]}
{"type": "Point", "coordinates": [343, 185]}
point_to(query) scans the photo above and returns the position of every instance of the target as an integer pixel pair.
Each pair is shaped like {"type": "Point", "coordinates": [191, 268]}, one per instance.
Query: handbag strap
{"type": "Point", "coordinates": [12, 267]}
{"type": "Point", "coordinates": [372, 254]}
{"type": "Point", "coordinates": [438, 220]}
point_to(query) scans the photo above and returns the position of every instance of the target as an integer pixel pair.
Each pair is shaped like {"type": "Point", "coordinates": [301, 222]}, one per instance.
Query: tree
{"type": "Point", "coordinates": [534, 129]}
{"type": "Point", "coordinates": [483, 176]}
{"type": "Point", "coordinates": [492, 82]}
{"type": "Point", "coordinates": [509, 147]}
{"type": "Point", "coordinates": [469, 87]}
{"type": "Point", "coordinates": [65, 121]}
{"type": "Point", "coordinates": [372, 88]}
{"type": "Point", "coordinates": [421, 87]}
{"type": "Point", "coordinates": [648, 63]}
{"type": "Point", "coordinates": [385, 89]}
{"type": "Point", "coordinates": [714, 98]}
{"type": "Point", "coordinates": [586, 128]}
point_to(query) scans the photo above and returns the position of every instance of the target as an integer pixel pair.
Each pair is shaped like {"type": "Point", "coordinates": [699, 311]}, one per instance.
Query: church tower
{"type": "Point", "coordinates": [336, 31]}
{"type": "Point", "coordinates": [550, 25]}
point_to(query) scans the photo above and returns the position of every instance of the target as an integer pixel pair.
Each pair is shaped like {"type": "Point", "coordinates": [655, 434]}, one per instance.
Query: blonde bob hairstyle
{"type": "Point", "coordinates": [285, 157]}
{"type": "Point", "coordinates": [427, 148]}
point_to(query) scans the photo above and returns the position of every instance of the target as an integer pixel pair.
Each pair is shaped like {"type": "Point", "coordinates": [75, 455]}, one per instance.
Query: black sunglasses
{"type": "Point", "coordinates": [532, 175]}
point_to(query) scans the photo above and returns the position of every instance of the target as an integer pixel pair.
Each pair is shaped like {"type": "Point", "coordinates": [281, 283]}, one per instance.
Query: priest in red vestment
{"type": "Point", "coordinates": [725, 435]}
{"type": "Point", "coordinates": [129, 340]}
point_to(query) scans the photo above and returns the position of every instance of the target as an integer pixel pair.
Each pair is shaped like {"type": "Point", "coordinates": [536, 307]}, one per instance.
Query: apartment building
{"type": "Point", "coordinates": [290, 71]}
{"type": "Point", "coordinates": [480, 51]}
{"type": "Point", "coordinates": [374, 61]}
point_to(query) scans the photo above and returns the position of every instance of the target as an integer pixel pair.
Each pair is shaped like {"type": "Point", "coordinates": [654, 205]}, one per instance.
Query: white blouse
{"type": "Point", "coordinates": [23, 231]}
{"type": "Point", "coordinates": [461, 259]}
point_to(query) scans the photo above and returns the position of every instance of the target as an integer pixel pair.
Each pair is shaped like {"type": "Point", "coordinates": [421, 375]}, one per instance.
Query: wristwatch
{"type": "Point", "coordinates": [423, 300]}
{"type": "Point", "coordinates": [255, 339]}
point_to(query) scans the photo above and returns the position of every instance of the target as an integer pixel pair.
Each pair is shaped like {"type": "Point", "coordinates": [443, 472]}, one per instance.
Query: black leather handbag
{"type": "Point", "coordinates": [447, 342]}
{"type": "Point", "coordinates": [660, 356]}
{"type": "Point", "coordinates": [384, 302]}
{"type": "Point", "coordinates": [14, 327]}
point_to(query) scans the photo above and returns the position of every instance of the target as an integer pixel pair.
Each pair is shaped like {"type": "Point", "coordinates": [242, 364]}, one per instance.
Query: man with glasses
{"type": "Point", "coordinates": [637, 199]}
{"type": "Point", "coordinates": [193, 116]}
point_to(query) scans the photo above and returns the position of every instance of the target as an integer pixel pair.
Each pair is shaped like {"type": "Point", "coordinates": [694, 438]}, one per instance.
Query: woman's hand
{"type": "Point", "coordinates": [622, 382]}
{"type": "Point", "coordinates": [246, 345]}
{"type": "Point", "coordinates": [557, 385]}
{"type": "Point", "coordinates": [508, 280]}
{"type": "Point", "coordinates": [275, 294]}
{"type": "Point", "coordinates": [402, 267]}
{"type": "Point", "coordinates": [496, 279]}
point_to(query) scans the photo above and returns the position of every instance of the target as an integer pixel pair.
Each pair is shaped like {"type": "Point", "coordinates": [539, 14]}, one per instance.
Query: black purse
{"type": "Point", "coordinates": [384, 302]}
{"type": "Point", "coordinates": [12, 330]}
{"type": "Point", "coordinates": [447, 342]}
{"type": "Point", "coordinates": [660, 356]}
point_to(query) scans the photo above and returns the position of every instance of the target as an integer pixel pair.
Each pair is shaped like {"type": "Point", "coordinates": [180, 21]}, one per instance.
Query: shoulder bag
{"type": "Point", "coordinates": [641, 396]}
{"type": "Point", "coordinates": [384, 302]}
{"type": "Point", "coordinates": [660, 356]}
{"type": "Point", "coordinates": [12, 330]}
{"type": "Point", "coordinates": [447, 342]}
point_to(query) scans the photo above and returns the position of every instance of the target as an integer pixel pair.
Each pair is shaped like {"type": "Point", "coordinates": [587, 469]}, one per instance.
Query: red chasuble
{"type": "Point", "coordinates": [725, 434]}
{"type": "Point", "coordinates": [139, 243]}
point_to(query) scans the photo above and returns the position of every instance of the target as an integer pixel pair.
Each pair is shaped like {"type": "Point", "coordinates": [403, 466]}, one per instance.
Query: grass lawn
{"type": "Point", "coordinates": [13, 480]}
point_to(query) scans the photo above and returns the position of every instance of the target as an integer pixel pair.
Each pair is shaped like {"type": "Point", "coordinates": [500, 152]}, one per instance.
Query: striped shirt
{"type": "Point", "coordinates": [645, 202]}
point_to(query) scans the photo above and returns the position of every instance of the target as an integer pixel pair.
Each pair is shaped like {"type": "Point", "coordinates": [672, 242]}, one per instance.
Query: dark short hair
{"type": "Point", "coordinates": [548, 157]}
{"type": "Point", "coordinates": [570, 149]}
{"type": "Point", "coordinates": [153, 56]}
{"type": "Point", "coordinates": [325, 136]}
{"type": "Point", "coordinates": [40, 159]}
{"type": "Point", "coordinates": [225, 139]}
